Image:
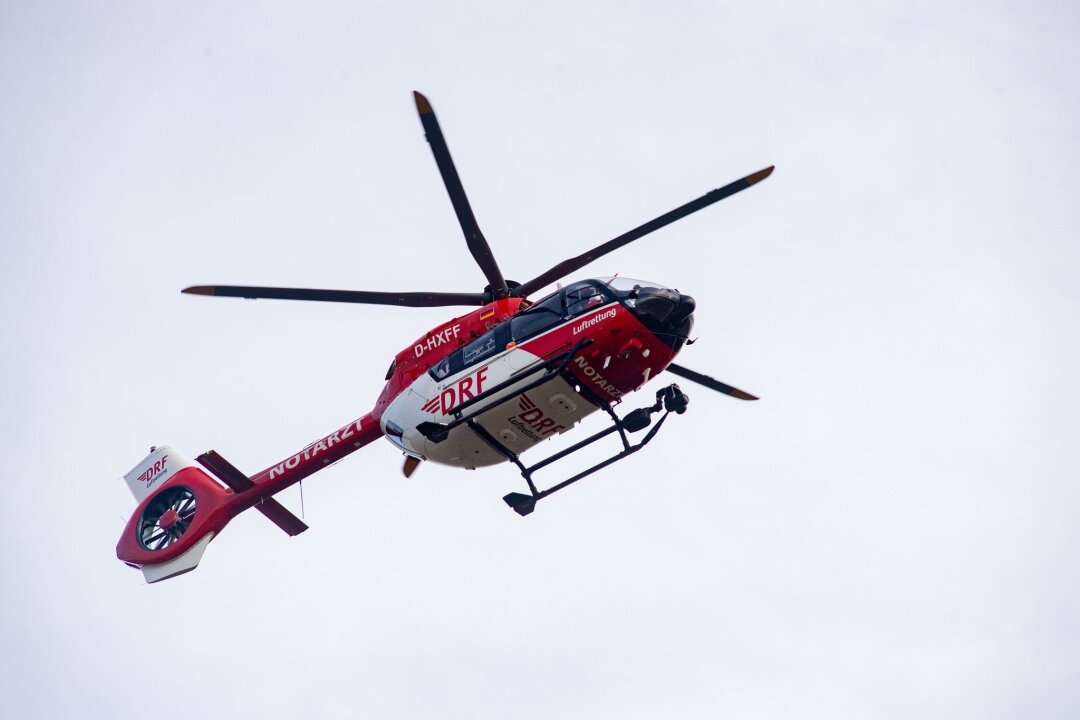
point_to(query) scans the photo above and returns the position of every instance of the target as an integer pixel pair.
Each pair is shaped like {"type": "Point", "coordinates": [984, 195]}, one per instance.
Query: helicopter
{"type": "Point", "coordinates": [480, 389]}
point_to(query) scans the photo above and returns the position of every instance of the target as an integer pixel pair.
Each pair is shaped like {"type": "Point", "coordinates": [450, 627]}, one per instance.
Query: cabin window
{"type": "Point", "coordinates": [441, 369]}
{"type": "Point", "coordinates": [480, 349]}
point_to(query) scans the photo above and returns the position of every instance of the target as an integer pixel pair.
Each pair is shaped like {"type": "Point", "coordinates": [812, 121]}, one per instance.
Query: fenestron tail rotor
{"type": "Point", "coordinates": [166, 518]}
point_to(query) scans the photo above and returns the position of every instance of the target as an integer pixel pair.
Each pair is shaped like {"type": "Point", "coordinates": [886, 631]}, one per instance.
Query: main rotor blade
{"type": "Point", "coordinates": [408, 299]}
{"type": "Point", "coordinates": [568, 266]}
{"type": "Point", "coordinates": [478, 245]}
{"type": "Point", "coordinates": [711, 383]}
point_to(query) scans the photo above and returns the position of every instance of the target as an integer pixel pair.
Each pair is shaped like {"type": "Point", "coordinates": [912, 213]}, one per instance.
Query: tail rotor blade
{"type": "Point", "coordinates": [478, 245]}
{"type": "Point", "coordinates": [711, 383]}
{"type": "Point", "coordinates": [576, 263]}
{"type": "Point", "coordinates": [407, 299]}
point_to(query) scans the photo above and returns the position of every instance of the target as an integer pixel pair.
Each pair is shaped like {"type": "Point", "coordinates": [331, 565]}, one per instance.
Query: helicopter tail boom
{"type": "Point", "coordinates": [182, 506]}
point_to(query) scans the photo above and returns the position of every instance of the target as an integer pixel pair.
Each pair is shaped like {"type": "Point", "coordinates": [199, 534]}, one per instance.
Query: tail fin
{"type": "Point", "coordinates": [154, 471]}
{"type": "Point", "coordinates": [180, 510]}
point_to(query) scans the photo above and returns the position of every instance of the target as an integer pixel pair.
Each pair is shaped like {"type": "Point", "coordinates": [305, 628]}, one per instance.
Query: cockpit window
{"type": "Point", "coordinates": [542, 316]}
{"type": "Point", "coordinates": [571, 301]}
{"type": "Point", "coordinates": [626, 285]}
{"type": "Point", "coordinates": [627, 289]}
{"type": "Point", "coordinates": [583, 297]}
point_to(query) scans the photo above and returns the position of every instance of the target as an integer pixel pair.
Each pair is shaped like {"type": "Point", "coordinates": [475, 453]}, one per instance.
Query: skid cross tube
{"type": "Point", "coordinates": [525, 504]}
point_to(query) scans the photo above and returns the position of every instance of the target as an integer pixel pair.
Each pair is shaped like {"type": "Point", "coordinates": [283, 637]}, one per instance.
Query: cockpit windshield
{"type": "Point", "coordinates": [584, 296]}
{"type": "Point", "coordinates": [626, 289]}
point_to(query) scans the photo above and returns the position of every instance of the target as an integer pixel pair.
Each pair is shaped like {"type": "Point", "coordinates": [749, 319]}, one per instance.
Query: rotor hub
{"type": "Point", "coordinates": [168, 519]}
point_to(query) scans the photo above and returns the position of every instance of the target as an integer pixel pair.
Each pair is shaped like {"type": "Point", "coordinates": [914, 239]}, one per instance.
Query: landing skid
{"type": "Point", "coordinates": [668, 400]}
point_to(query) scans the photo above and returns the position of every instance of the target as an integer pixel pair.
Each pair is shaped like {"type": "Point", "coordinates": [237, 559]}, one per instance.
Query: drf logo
{"type": "Point", "coordinates": [464, 389]}
{"type": "Point", "coordinates": [532, 421]}
{"type": "Point", "coordinates": [151, 473]}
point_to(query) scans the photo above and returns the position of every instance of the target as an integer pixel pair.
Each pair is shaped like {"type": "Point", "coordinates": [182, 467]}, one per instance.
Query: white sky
{"type": "Point", "coordinates": [890, 532]}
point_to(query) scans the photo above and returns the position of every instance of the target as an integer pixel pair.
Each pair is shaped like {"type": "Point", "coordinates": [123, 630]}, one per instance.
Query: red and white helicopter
{"type": "Point", "coordinates": [480, 389]}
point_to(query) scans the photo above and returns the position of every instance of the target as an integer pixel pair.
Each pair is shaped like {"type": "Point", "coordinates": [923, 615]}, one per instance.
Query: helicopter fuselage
{"type": "Point", "coordinates": [626, 332]}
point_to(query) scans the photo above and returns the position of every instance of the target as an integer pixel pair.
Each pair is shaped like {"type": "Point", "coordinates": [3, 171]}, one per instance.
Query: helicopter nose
{"type": "Point", "coordinates": [684, 308]}
{"type": "Point", "coordinates": [667, 313]}
{"type": "Point", "coordinates": [654, 307]}
{"type": "Point", "coordinates": [682, 321]}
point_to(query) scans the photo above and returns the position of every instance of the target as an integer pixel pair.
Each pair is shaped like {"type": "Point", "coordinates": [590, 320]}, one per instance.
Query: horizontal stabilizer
{"type": "Point", "coordinates": [239, 482]}
{"type": "Point", "coordinates": [225, 471]}
{"type": "Point", "coordinates": [281, 517]}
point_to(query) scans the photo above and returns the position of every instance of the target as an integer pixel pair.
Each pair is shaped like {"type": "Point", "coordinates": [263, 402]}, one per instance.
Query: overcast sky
{"type": "Point", "coordinates": [890, 532]}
